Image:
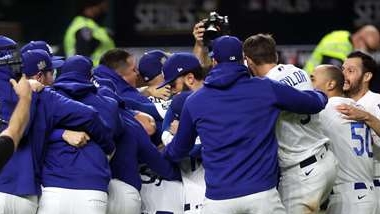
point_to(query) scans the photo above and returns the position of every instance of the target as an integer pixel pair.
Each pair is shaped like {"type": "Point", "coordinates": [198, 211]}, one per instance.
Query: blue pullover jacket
{"type": "Point", "coordinates": [87, 167]}
{"type": "Point", "coordinates": [136, 149]}
{"type": "Point", "coordinates": [22, 174]}
{"type": "Point", "coordinates": [132, 98]}
{"type": "Point", "coordinates": [235, 117]}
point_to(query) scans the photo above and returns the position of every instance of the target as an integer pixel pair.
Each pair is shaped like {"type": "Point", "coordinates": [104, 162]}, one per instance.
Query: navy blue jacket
{"type": "Point", "coordinates": [22, 174]}
{"type": "Point", "coordinates": [130, 95]}
{"type": "Point", "coordinates": [235, 117]}
{"type": "Point", "coordinates": [86, 167]}
{"type": "Point", "coordinates": [136, 149]}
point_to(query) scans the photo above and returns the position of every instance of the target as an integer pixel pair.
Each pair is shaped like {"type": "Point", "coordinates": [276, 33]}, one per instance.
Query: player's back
{"type": "Point", "coordinates": [350, 142]}
{"type": "Point", "coordinates": [299, 136]}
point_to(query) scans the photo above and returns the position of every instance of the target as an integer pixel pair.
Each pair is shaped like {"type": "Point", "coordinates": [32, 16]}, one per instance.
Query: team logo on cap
{"type": "Point", "coordinates": [232, 58]}
{"type": "Point", "coordinates": [41, 65]}
{"type": "Point", "coordinates": [179, 69]}
{"type": "Point", "coordinates": [162, 60]}
{"type": "Point", "coordinates": [49, 48]}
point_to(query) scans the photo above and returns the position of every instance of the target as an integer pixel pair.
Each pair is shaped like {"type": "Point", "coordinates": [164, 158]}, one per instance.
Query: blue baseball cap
{"type": "Point", "coordinates": [7, 43]}
{"type": "Point", "coordinates": [227, 49]}
{"type": "Point", "coordinates": [178, 64]}
{"type": "Point", "coordinates": [41, 45]}
{"type": "Point", "coordinates": [38, 60]}
{"type": "Point", "coordinates": [150, 64]}
{"type": "Point", "coordinates": [78, 63]}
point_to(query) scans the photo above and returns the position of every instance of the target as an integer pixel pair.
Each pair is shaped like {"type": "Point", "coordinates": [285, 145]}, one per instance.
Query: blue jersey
{"type": "Point", "coordinates": [87, 167]}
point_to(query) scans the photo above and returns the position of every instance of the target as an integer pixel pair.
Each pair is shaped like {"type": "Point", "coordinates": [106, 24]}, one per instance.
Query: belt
{"type": "Point", "coordinates": [311, 160]}
{"type": "Point", "coordinates": [360, 185]}
{"type": "Point", "coordinates": [376, 183]}
{"type": "Point", "coordinates": [356, 186]}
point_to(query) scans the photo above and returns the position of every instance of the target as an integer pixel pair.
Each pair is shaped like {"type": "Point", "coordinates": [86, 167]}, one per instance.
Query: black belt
{"type": "Point", "coordinates": [310, 160]}
{"type": "Point", "coordinates": [376, 183]}
{"type": "Point", "coordinates": [360, 185]}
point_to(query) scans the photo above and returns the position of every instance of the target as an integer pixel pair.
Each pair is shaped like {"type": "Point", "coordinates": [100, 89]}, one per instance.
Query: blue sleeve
{"type": "Point", "coordinates": [169, 117]}
{"type": "Point", "coordinates": [148, 108]}
{"type": "Point", "coordinates": [70, 114]}
{"type": "Point", "coordinates": [184, 140]}
{"type": "Point", "coordinates": [149, 154]}
{"type": "Point", "coordinates": [196, 152]}
{"type": "Point", "coordinates": [56, 135]}
{"type": "Point", "coordinates": [301, 102]}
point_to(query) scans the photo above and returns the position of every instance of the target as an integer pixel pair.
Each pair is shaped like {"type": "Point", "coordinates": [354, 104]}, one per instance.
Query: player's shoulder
{"type": "Point", "coordinates": [370, 98]}
{"type": "Point", "coordinates": [334, 101]}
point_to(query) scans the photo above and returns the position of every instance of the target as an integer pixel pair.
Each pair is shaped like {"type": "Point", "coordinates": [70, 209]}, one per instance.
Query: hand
{"type": "Point", "coordinates": [146, 121]}
{"type": "Point", "coordinates": [198, 32]}
{"type": "Point", "coordinates": [35, 85]}
{"type": "Point", "coordinates": [352, 113]}
{"type": "Point", "coordinates": [22, 87]}
{"type": "Point", "coordinates": [174, 127]}
{"type": "Point", "coordinates": [162, 93]}
{"type": "Point", "coordinates": [74, 138]}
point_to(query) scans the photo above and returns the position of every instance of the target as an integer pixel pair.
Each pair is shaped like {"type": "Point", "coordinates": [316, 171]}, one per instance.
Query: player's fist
{"type": "Point", "coordinates": [198, 32]}
{"type": "Point", "coordinates": [74, 138]}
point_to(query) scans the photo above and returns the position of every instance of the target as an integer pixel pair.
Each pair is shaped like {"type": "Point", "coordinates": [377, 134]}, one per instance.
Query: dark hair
{"type": "Point", "coordinates": [83, 4]}
{"type": "Point", "coordinates": [368, 64]}
{"type": "Point", "coordinates": [199, 73]}
{"type": "Point", "coordinates": [336, 74]}
{"type": "Point", "coordinates": [261, 49]}
{"type": "Point", "coordinates": [115, 58]}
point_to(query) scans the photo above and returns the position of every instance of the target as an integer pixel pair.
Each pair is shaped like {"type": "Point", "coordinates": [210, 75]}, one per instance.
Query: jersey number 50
{"type": "Point", "coordinates": [365, 141]}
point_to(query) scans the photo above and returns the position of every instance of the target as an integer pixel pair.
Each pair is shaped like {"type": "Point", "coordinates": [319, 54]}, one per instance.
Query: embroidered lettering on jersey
{"type": "Point", "coordinates": [296, 78]}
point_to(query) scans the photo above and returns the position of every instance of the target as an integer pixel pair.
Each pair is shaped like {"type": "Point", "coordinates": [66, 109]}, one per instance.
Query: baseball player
{"type": "Point", "coordinates": [351, 142]}
{"type": "Point", "coordinates": [150, 69]}
{"type": "Point", "coordinates": [358, 70]}
{"type": "Point", "coordinates": [308, 168]}
{"type": "Point", "coordinates": [190, 77]}
{"type": "Point", "coordinates": [236, 126]}
{"type": "Point", "coordinates": [76, 180]}
{"type": "Point", "coordinates": [119, 66]}
{"type": "Point", "coordinates": [191, 168]}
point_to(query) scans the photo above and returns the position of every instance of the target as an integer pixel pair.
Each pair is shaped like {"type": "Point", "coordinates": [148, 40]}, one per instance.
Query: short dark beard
{"type": "Point", "coordinates": [355, 89]}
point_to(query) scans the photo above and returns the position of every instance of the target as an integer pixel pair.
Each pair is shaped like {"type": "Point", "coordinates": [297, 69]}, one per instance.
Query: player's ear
{"type": "Point", "coordinates": [367, 76]}
{"type": "Point", "coordinates": [331, 85]}
{"type": "Point", "coordinates": [189, 78]}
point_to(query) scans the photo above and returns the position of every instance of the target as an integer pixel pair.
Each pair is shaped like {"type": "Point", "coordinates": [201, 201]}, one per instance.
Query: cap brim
{"type": "Point", "coordinates": [57, 63]}
{"type": "Point", "coordinates": [165, 83]}
{"type": "Point", "coordinates": [58, 58]}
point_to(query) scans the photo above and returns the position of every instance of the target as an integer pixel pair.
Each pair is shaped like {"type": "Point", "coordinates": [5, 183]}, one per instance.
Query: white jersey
{"type": "Point", "coordinates": [371, 103]}
{"type": "Point", "coordinates": [161, 105]}
{"type": "Point", "coordinates": [350, 141]}
{"type": "Point", "coordinates": [299, 136]}
{"type": "Point", "coordinates": [161, 196]}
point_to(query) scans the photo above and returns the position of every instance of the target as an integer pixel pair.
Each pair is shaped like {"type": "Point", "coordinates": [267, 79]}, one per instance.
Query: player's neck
{"type": "Point", "coordinates": [359, 94]}
{"type": "Point", "coordinates": [263, 69]}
